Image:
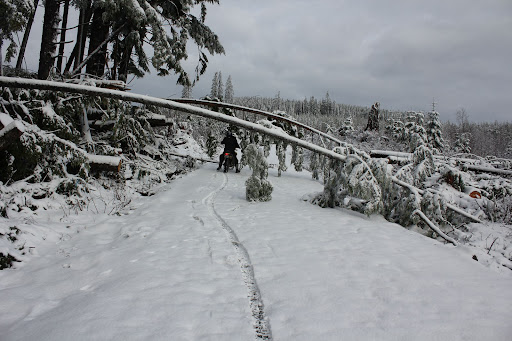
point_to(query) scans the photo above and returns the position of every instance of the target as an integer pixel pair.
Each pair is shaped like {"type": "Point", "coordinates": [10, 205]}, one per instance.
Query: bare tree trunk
{"type": "Point", "coordinates": [99, 33]}
{"type": "Point", "coordinates": [1, 57]}
{"type": "Point", "coordinates": [26, 35]}
{"type": "Point", "coordinates": [81, 37]}
{"type": "Point", "coordinates": [64, 27]}
{"type": "Point", "coordinates": [51, 19]}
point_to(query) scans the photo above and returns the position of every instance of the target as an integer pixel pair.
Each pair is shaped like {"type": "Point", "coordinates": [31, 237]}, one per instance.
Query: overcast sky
{"type": "Point", "coordinates": [402, 53]}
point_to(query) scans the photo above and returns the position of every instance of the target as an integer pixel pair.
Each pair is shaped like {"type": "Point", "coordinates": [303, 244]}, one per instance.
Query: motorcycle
{"type": "Point", "coordinates": [229, 161]}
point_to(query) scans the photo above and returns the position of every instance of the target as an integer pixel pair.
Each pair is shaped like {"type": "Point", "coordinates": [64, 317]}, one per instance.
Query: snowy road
{"type": "Point", "coordinates": [174, 270]}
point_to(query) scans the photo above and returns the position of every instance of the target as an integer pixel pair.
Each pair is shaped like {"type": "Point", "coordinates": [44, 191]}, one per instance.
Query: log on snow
{"type": "Point", "coordinates": [106, 163]}
{"type": "Point", "coordinates": [154, 121]}
{"type": "Point", "coordinates": [481, 169]}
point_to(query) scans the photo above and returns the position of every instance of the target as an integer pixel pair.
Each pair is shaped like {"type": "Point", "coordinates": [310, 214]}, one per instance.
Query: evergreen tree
{"type": "Point", "coordinates": [281, 155]}
{"type": "Point", "coordinates": [186, 92]}
{"type": "Point", "coordinates": [164, 25]}
{"type": "Point", "coordinates": [214, 92]}
{"type": "Point", "coordinates": [462, 144]}
{"type": "Point", "coordinates": [211, 144]}
{"type": "Point", "coordinates": [297, 158]}
{"type": "Point", "coordinates": [220, 87]}
{"type": "Point", "coordinates": [414, 132]}
{"type": "Point", "coordinates": [258, 188]}
{"type": "Point", "coordinates": [229, 92]}
{"type": "Point", "coordinates": [326, 105]}
{"type": "Point", "coordinates": [434, 133]}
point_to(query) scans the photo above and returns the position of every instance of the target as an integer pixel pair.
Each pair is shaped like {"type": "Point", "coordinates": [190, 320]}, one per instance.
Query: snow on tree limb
{"type": "Point", "coordinates": [434, 227]}
{"type": "Point", "coordinates": [143, 99]}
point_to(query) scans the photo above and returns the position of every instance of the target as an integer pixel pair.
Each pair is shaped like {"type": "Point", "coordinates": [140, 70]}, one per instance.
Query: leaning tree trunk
{"type": "Point", "coordinates": [63, 30]}
{"type": "Point", "coordinates": [51, 20]}
{"type": "Point", "coordinates": [24, 42]}
{"type": "Point", "coordinates": [99, 33]}
{"type": "Point", "coordinates": [77, 55]}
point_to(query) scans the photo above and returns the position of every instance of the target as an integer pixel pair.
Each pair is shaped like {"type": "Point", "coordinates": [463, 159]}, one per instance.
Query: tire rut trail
{"type": "Point", "coordinates": [261, 322]}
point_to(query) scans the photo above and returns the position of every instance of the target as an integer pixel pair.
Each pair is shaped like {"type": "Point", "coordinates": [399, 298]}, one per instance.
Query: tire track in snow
{"type": "Point", "coordinates": [261, 322]}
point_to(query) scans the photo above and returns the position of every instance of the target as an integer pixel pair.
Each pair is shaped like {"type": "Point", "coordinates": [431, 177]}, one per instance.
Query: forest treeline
{"type": "Point", "coordinates": [478, 138]}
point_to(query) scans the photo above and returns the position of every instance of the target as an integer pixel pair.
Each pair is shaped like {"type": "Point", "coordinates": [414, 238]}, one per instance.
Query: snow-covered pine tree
{"type": "Point", "coordinates": [462, 144]}
{"type": "Point", "coordinates": [351, 183]}
{"type": "Point", "coordinates": [396, 128]}
{"type": "Point", "coordinates": [433, 205]}
{"type": "Point", "coordinates": [186, 91]}
{"type": "Point", "coordinates": [258, 188]}
{"type": "Point", "coordinates": [229, 92]}
{"type": "Point", "coordinates": [415, 134]}
{"type": "Point", "coordinates": [434, 132]}
{"type": "Point", "coordinates": [211, 145]}
{"type": "Point", "coordinates": [314, 164]}
{"type": "Point", "coordinates": [423, 163]}
{"type": "Point", "coordinates": [220, 87]}
{"type": "Point", "coordinates": [297, 158]}
{"type": "Point", "coordinates": [326, 106]}
{"type": "Point", "coordinates": [214, 91]}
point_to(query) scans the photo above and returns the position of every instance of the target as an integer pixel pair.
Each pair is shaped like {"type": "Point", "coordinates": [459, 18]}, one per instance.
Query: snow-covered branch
{"type": "Point", "coordinates": [434, 227]}
{"type": "Point", "coordinates": [148, 100]}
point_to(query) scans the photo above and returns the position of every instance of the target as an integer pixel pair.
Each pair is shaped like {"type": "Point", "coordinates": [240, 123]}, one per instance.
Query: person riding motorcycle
{"type": "Point", "coordinates": [230, 144]}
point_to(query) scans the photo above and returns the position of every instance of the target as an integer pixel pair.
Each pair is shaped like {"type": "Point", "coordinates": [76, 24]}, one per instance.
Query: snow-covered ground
{"type": "Point", "coordinates": [197, 261]}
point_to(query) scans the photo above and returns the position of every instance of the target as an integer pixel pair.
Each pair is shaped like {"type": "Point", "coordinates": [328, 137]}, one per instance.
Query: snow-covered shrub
{"type": "Point", "coordinates": [314, 164]}
{"type": "Point", "coordinates": [41, 156]}
{"type": "Point", "coordinates": [351, 183]}
{"type": "Point", "coordinates": [258, 188]}
{"type": "Point", "coordinates": [347, 127]}
{"type": "Point", "coordinates": [396, 129]}
{"type": "Point", "coordinates": [287, 127]}
{"type": "Point", "coordinates": [423, 162]}
{"type": "Point", "coordinates": [453, 177]}
{"type": "Point", "coordinates": [69, 187]}
{"type": "Point", "coordinates": [211, 145]}
{"type": "Point", "coordinates": [419, 169]}
{"type": "Point", "coordinates": [498, 195]}
{"type": "Point", "coordinates": [433, 205]}
{"type": "Point", "coordinates": [297, 158]}
{"type": "Point", "coordinates": [131, 131]}
{"type": "Point", "coordinates": [281, 156]}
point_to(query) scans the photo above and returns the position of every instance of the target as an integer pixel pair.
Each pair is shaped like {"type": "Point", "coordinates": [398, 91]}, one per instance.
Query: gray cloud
{"type": "Point", "coordinates": [402, 53]}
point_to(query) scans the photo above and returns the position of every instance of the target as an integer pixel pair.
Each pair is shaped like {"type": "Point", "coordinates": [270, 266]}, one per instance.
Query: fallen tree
{"type": "Point", "coordinates": [182, 107]}
{"type": "Point", "coordinates": [469, 164]}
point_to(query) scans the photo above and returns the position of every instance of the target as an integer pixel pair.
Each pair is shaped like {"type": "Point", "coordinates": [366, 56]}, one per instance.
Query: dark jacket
{"type": "Point", "coordinates": [230, 144]}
